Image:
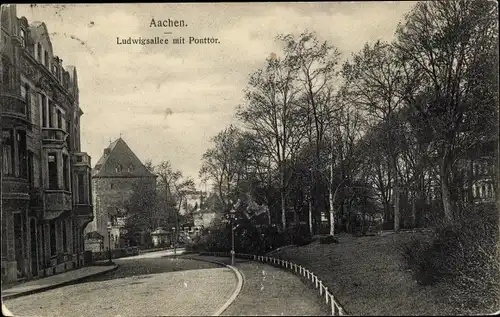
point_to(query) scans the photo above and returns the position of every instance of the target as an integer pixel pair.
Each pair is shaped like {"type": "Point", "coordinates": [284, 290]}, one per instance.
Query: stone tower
{"type": "Point", "coordinates": [113, 179]}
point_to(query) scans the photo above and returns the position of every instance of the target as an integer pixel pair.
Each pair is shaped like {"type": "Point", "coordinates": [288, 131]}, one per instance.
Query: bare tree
{"type": "Point", "coordinates": [176, 188]}
{"type": "Point", "coordinates": [271, 114]}
{"type": "Point", "coordinates": [316, 63]}
{"type": "Point", "coordinates": [445, 43]}
{"type": "Point", "coordinates": [373, 80]}
{"type": "Point", "coordinates": [220, 163]}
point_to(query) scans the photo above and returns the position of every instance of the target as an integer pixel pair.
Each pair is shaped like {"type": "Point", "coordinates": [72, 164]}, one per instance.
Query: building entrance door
{"type": "Point", "coordinates": [34, 249]}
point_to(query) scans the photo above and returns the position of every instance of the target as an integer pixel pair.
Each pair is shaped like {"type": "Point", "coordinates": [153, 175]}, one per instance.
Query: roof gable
{"type": "Point", "coordinates": [119, 160]}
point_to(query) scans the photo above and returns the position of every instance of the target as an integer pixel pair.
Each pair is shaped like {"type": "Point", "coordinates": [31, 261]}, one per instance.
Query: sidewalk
{"type": "Point", "coordinates": [54, 281]}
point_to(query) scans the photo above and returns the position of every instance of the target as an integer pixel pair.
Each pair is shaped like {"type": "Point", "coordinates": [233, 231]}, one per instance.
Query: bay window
{"type": "Point", "coordinates": [22, 154]}
{"type": "Point", "coordinates": [53, 174]}
{"type": "Point", "coordinates": [8, 153]}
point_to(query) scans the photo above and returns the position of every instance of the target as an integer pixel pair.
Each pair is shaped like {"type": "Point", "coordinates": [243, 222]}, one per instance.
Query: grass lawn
{"type": "Point", "coordinates": [368, 277]}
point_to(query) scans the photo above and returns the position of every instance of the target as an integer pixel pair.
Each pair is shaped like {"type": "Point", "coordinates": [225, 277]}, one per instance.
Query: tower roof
{"type": "Point", "coordinates": [118, 160]}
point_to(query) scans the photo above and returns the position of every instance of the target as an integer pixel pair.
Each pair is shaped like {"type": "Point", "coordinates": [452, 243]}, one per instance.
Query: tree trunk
{"type": "Point", "coordinates": [470, 181]}
{"type": "Point", "coordinates": [445, 190]}
{"type": "Point", "coordinates": [396, 206]}
{"type": "Point", "coordinates": [310, 216]}
{"type": "Point", "coordinates": [331, 195]}
{"type": "Point", "coordinates": [269, 214]}
{"type": "Point", "coordinates": [332, 213]}
{"type": "Point", "coordinates": [283, 209]}
{"type": "Point", "coordinates": [397, 195]}
{"type": "Point", "coordinates": [414, 209]}
{"type": "Point", "coordinates": [311, 193]}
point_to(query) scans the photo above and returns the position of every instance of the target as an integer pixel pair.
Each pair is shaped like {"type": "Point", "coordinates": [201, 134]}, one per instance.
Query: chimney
{"type": "Point", "coordinates": [106, 152]}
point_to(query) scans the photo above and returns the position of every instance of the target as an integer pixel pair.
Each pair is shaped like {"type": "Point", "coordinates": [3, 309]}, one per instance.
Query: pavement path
{"type": "Point", "coordinates": [271, 291]}
{"type": "Point", "coordinates": [54, 280]}
{"type": "Point", "coordinates": [164, 286]}
{"type": "Point", "coordinates": [155, 254]}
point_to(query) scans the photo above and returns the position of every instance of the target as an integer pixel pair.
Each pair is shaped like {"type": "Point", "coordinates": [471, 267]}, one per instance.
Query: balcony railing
{"type": "Point", "coordinates": [13, 106]}
{"type": "Point", "coordinates": [54, 135]}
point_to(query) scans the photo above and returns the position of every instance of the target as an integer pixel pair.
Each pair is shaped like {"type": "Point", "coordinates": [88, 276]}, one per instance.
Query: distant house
{"type": "Point", "coordinates": [160, 237]}
{"type": "Point", "coordinates": [113, 180]}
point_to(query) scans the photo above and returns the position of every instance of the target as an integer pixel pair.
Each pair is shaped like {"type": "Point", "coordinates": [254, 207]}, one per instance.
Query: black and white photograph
{"type": "Point", "coordinates": [250, 158]}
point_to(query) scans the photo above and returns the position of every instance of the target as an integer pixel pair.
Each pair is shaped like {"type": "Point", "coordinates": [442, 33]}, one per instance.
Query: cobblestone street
{"type": "Point", "coordinates": [143, 287]}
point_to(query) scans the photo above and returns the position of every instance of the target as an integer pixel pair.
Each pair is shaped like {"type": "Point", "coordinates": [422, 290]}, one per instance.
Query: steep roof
{"type": "Point", "coordinates": [118, 160]}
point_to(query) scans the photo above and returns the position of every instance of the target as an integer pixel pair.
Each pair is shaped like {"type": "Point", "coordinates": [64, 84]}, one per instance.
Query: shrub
{"type": "Point", "coordinates": [299, 235]}
{"type": "Point", "coordinates": [328, 240]}
{"type": "Point", "coordinates": [462, 256]}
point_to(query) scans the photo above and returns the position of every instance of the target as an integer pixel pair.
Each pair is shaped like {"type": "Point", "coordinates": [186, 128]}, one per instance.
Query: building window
{"type": "Point", "coordinates": [6, 73]}
{"type": "Point", "coordinates": [8, 152]}
{"type": "Point", "coordinates": [81, 189]}
{"type": "Point", "coordinates": [53, 235]}
{"type": "Point", "coordinates": [23, 37]}
{"type": "Point", "coordinates": [478, 193]}
{"type": "Point", "coordinates": [53, 175]}
{"type": "Point", "coordinates": [111, 185]}
{"type": "Point", "coordinates": [39, 52]}
{"type": "Point", "coordinates": [31, 180]}
{"type": "Point", "coordinates": [46, 58]}
{"type": "Point", "coordinates": [66, 172]}
{"type": "Point", "coordinates": [22, 154]}
{"type": "Point", "coordinates": [42, 110]}
{"type": "Point", "coordinates": [51, 121]}
{"type": "Point", "coordinates": [59, 119]}
{"type": "Point", "coordinates": [25, 94]}
{"type": "Point", "coordinates": [130, 168]}
{"type": "Point", "coordinates": [118, 168]}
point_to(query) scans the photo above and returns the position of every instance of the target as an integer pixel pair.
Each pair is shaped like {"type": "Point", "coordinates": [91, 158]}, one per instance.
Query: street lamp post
{"type": "Point", "coordinates": [233, 227]}
{"type": "Point", "coordinates": [232, 244]}
{"type": "Point", "coordinates": [109, 241]}
{"type": "Point", "coordinates": [174, 229]}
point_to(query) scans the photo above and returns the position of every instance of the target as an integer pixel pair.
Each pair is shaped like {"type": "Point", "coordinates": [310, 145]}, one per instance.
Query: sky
{"type": "Point", "coordinates": [168, 100]}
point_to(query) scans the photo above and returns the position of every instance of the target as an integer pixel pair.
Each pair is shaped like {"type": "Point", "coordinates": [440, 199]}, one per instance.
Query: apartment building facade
{"type": "Point", "coordinates": [46, 178]}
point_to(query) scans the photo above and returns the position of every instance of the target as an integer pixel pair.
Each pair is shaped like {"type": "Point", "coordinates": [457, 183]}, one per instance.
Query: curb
{"type": "Point", "coordinates": [54, 286]}
{"type": "Point", "coordinates": [236, 292]}
{"type": "Point", "coordinates": [331, 301]}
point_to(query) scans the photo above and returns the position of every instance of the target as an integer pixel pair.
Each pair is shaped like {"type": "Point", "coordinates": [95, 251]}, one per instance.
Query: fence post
{"type": "Point", "coordinates": [332, 301]}
{"type": "Point", "coordinates": [320, 288]}
{"type": "Point", "coordinates": [326, 294]}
